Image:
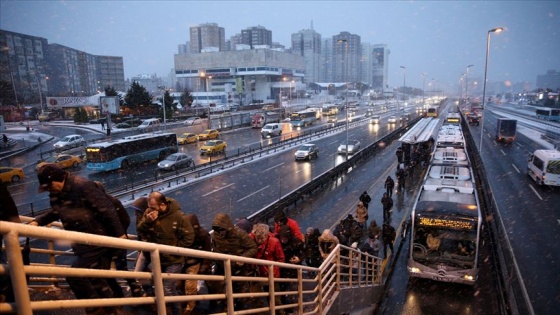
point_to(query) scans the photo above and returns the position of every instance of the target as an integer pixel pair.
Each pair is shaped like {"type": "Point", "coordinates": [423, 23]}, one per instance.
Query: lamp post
{"type": "Point", "coordinates": [404, 84]}
{"type": "Point", "coordinates": [346, 111]}
{"type": "Point", "coordinates": [467, 83]}
{"type": "Point", "coordinates": [494, 30]}
{"type": "Point", "coordinates": [162, 88]}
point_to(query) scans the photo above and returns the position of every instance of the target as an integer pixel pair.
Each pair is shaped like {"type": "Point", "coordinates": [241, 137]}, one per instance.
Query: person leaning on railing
{"type": "Point", "coordinates": [82, 206]}
{"type": "Point", "coordinates": [8, 212]}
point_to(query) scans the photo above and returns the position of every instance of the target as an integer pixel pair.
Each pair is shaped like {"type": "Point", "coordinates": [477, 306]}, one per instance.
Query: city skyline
{"type": "Point", "coordinates": [436, 38]}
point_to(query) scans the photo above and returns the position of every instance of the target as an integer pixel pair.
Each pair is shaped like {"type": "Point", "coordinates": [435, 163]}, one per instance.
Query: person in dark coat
{"type": "Point", "coordinates": [280, 219]}
{"type": "Point", "coordinates": [388, 237]}
{"type": "Point", "coordinates": [231, 240]}
{"type": "Point", "coordinates": [294, 252]}
{"type": "Point", "coordinates": [400, 155]}
{"type": "Point", "coordinates": [387, 203]}
{"type": "Point", "coordinates": [194, 265]}
{"type": "Point", "coordinates": [9, 213]}
{"type": "Point", "coordinates": [365, 199]}
{"type": "Point", "coordinates": [312, 253]}
{"type": "Point", "coordinates": [401, 178]}
{"type": "Point", "coordinates": [163, 223]}
{"type": "Point", "coordinates": [81, 206]}
{"type": "Point", "coordinates": [389, 185]}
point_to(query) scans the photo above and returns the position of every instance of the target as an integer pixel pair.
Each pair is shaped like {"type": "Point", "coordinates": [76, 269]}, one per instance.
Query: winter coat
{"type": "Point", "coordinates": [365, 199]}
{"type": "Point", "coordinates": [389, 183]}
{"type": "Point", "coordinates": [388, 233]}
{"type": "Point", "coordinates": [312, 245]}
{"type": "Point", "coordinates": [270, 250]}
{"type": "Point", "coordinates": [387, 203]}
{"type": "Point", "coordinates": [294, 226]}
{"type": "Point", "coordinates": [202, 241]}
{"type": "Point", "coordinates": [172, 228]}
{"type": "Point", "coordinates": [374, 229]}
{"type": "Point", "coordinates": [236, 242]}
{"type": "Point", "coordinates": [327, 242]}
{"type": "Point", "coordinates": [294, 247]}
{"type": "Point", "coordinates": [361, 214]}
{"type": "Point", "coordinates": [357, 233]}
{"type": "Point", "coordinates": [81, 206]}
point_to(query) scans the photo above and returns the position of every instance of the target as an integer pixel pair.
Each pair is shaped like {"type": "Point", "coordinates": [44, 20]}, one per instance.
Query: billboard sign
{"type": "Point", "coordinates": [109, 104]}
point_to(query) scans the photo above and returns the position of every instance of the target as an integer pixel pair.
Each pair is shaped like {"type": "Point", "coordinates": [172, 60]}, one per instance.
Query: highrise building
{"type": "Point", "coordinates": [326, 72]}
{"type": "Point", "coordinates": [184, 48]}
{"type": "Point", "coordinates": [380, 68]}
{"type": "Point", "coordinates": [23, 65]}
{"type": "Point", "coordinates": [206, 36]}
{"type": "Point", "coordinates": [256, 35]}
{"type": "Point", "coordinates": [109, 71]}
{"type": "Point", "coordinates": [307, 43]}
{"type": "Point", "coordinates": [343, 44]}
{"type": "Point", "coordinates": [366, 64]}
{"type": "Point", "coordinates": [234, 41]}
{"type": "Point", "coordinates": [550, 80]}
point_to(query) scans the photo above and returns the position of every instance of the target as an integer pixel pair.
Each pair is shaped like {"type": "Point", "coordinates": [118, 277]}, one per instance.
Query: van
{"type": "Point", "coordinates": [544, 167]}
{"type": "Point", "coordinates": [271, 130]}
{"type": "Point", "coordinates": [375, 119]}
{"type": "Point", "coordinates": [150, 124]}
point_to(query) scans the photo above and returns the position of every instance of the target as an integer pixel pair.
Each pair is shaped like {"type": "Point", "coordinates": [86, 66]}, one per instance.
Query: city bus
{"type": "Point", "coordinates": [303, 118]}
{"type": "Point", "coordinates": [330, 110]}
{"type": "Point", "coordinates": [115, 154]}
{"type": "Point", "coordinates": [552, 114]}
{"type": "Point", "coordinates": [432, 111]}
{"type": "Point", "coordinates": [446, 220]}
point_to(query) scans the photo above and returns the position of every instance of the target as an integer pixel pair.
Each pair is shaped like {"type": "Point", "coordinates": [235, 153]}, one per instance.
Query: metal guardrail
{"type": "Point", "coordinates": [512, 293]}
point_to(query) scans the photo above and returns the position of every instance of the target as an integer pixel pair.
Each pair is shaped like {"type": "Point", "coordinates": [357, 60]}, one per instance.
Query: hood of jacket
{"type": "Point", "coordinates": [224, 221]}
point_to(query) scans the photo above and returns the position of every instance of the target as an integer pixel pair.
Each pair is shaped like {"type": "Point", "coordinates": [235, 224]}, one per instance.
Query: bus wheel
{"type": "Point", "coordinates": [162, 155]}
{"type": "Point", "coordinates": [124, 164]}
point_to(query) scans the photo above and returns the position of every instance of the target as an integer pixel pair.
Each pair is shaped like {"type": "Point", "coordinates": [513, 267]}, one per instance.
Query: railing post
{"type": "Point", "coordinates": [17, 274]}
{"type": "Point", "coordinates": [158, 282]}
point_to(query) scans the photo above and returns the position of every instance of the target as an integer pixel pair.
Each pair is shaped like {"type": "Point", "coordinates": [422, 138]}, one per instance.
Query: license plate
{"type": "Point", "coordinates": [441, 279]}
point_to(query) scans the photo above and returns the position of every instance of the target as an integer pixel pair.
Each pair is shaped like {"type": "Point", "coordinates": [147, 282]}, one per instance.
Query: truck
{"type": "Point", "coordinates": [258, 120]}
{"type": "Point", "coordinates": [505, 130]}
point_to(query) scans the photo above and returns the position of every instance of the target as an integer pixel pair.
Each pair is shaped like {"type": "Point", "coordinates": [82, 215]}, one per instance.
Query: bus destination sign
{"type": "Point", "coordinates": [447, 223]}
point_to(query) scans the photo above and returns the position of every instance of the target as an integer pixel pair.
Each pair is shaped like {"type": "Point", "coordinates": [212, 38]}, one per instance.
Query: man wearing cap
{"type": "Point", "coordinates": [81, 206]}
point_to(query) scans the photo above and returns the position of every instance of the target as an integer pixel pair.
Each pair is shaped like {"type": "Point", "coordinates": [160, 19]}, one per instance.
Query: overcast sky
{"type": "Point", "coordinates": [439, 38]}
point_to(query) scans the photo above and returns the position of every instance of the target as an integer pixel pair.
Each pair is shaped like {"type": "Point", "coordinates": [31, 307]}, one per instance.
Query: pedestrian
{"type": "Point", "coordinates": [387, 203]}
{"type": "Point", "coordinates": [164, 223]}
{"type": "Point", "coordinates": [281, 219]}
{"type": "Point", "coordinates": [9, 213]}
{"type": "Point", "coordinates": [81, 206]}
{"type": "Point", "coordinates": [346, 229]}
{"type": "Point", "coordinates": [245, 225]}
{"type": "Point", "coordinates": [361, 215]}
{"type": "Point", "coordinates": [389, 185]}
{"type": "Point", "coordinates": [401, 177]}
{"type": "Point", "coordinates": [365, 199]}
{"type": "Point", "coordinates": [374, 229]}
{"type": "Point", "coordinates": [5, 140]}
{"type": "Point", "coordinates": [372, 245]}
{"type": "Point", "coordinates": [388, 236]}
{"type": "Point", "coordinates": [312, 253]}
{"type": "Point", "coordinates": [228, 239]}
{"type": "Point", "coordinates": [327, 242]}
{"type": "Point", "coordinates": [194, 265]}
{"type": "Point", "coordinates": [143, 259]}
{"type": "Point", "coordinates": [400, 155]}
{"type": "Point", "coordinates": [102, 121]}
{"type": "Point", "coordinates": [294, 252]}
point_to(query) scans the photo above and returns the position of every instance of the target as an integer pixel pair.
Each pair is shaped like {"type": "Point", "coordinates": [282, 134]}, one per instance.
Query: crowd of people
{"type": "Point", "coordinates": [83, 205]}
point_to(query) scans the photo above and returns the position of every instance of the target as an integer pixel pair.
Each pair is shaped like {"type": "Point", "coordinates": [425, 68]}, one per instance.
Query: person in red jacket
{"type": "Point", "coordinates": [281, 219]}
{"type": "Point", "coordinates": [269, 249]}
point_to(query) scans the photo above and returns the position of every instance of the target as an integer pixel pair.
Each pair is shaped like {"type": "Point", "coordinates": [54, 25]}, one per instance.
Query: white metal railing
{"type": "Point", "coordinates": [343, 268]}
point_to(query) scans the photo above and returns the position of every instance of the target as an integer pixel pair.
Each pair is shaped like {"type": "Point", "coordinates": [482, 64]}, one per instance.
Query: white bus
{"type": "Point", "coordinates": [446, 219]}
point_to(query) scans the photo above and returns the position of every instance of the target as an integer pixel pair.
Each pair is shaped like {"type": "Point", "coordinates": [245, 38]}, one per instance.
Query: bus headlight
{"type": "Point", "coordinates": [468, 277]}
{"type": "Point", "coordinates": [414, 270]}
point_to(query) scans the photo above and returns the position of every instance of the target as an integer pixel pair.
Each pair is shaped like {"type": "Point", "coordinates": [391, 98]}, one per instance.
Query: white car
{"type": "Point", "coordinates": [307, 151]}
{"type": "Point", "coordinates": [375, 119]}
{"type": "Point", "coordinates": [175, 161]}
{"type": "Point", "coordinates": [68, 142]}
{"type": "Point", "coordinates": [191, 121]}
{"type": "Point", "coordinates": [392, 120]}
{"type": "Point", "coordinates": [352, 147]}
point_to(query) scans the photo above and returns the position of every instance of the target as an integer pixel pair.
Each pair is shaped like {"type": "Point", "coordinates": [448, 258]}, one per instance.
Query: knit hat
{"type": "Point", "coordinates": [310, 230]}
{"type": "Point", "coordinates": [244, 224]}
{"type": "Point", "coordinates": [49, 173]}
{"type": "Point", "coordinates": [280, 216]}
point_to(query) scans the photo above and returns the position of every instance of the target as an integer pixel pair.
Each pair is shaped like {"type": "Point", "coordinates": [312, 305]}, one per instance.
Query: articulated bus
{"type": "Point", "coordinates": [303, 118]}
{"type": "Point", "coordinates": [112, 155]}
{"type": "Point", "coordinates": [432, 111]}
{"type": "Point", "coordinates": [545, 113]}
{"type": "Point", "coordinates": [453, 118]}
{"type": "Point", "coordinates": [330, 110]}
{"type": "Point", "coordinates": [446, 219]}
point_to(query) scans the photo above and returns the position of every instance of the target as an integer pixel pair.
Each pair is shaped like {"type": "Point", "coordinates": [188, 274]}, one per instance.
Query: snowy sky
{"type": "Point", "coordinates": [438, 38]}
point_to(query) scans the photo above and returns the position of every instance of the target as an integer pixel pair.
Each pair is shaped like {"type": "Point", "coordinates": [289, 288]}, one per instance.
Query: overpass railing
{"type": "Point", "coordinates": [314, 289]}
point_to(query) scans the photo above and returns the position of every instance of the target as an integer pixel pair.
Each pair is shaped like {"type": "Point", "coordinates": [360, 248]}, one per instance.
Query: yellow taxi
{"type": "Point", "coordinates": [11, 174]}
{"type": "Point", "coordinates": [212, 147]}
{"type": "Point", "coordinates": [208, 134]}
{"type": "Point", "coordinates": [187, 137]}
{"type": "Point", "coordinates": [62, 161]}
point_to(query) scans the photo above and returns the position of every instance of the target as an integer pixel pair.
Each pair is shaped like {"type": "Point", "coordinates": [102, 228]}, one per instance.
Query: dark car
{"type": "Point", "coordinates": [130, 123]}
{"type": "Point", "coordinates": [98, 120]}
{"type": "Point", "coordinates": [473, 119]}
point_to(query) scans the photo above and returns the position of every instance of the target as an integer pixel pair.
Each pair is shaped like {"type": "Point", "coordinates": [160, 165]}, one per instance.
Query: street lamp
{"type": "Point", "coordinates": [467, 82]}
{"type": "Point", "coordinates": [494, 30]}
{"type": "Point", "coordinates": [404, 84]}
{"type": "Point", "coordinates": [346, 68]}
{"type": "Point", "coordinates": [162, 88]}
{"type": "Point", "coordinates": [423, 85]}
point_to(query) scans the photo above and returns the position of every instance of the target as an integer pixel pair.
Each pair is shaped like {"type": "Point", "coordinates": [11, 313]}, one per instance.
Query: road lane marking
{"type": "Point", "coordinates": [518, 171]}
{"type": "Point", "coordinates": [535, 191]}
{"type": "Point", "coordinates": [216, 190]}
{"type": "Point", "coordinates": [275, 166]}
{"type": "Point", "coordinates": [256, 192]}
{"type": "Point", "coordinates": [503, 152]}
